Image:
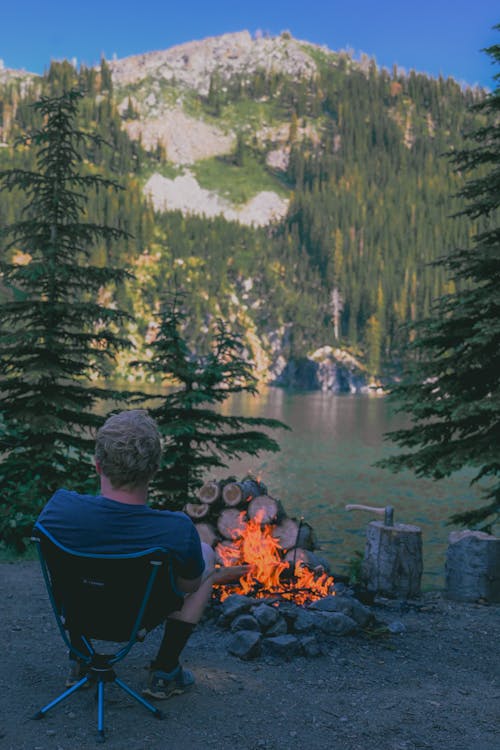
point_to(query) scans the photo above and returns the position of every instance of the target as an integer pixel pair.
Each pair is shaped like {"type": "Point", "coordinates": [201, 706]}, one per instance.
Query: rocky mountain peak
{"type": "Point", "coordinates": [193, 63]}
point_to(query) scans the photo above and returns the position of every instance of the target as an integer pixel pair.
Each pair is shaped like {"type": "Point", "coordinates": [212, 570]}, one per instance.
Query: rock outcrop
{"type": "Point", "coordinates": [327, 369]}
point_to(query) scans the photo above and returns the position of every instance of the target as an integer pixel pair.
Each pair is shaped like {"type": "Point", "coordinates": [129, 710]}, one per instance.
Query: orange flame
{"type": "Point", "coordinates": [256, 546]}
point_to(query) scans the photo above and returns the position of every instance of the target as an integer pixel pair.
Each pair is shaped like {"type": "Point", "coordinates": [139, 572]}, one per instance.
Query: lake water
{"type": "Point", "coordinates": [326, 462]}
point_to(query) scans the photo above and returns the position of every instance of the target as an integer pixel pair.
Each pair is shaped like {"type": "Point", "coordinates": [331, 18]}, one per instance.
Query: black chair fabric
{"type": "Point", "coordinates": [100, 596]}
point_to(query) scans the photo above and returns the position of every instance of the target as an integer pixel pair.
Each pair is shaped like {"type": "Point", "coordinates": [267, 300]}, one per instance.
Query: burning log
{"type": "Point", "coordinates": [235, 493]}
{"type": "Point", "coordinates": [195, 511]}
{"type": "Point", "coordinates": [209, 492]}
{"type": "Point", "coordinates": [227, 553]}
{"type": "Point", "coordinates": [291, 533]}
{"type": "Point", "coordinates": [267, 509]}
{"type": "Point", "coordinates": [207, 534]}
{"type": "Point", "coordinates": [231, 523]}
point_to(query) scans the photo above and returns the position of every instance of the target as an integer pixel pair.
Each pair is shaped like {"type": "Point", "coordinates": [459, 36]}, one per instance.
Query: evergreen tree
{"type": "Point", "coordinates": [55, 336]}
{"type": "Point", "coordinates": [197, 437]}
{"type": "Point", "coordinates": [452, 388]}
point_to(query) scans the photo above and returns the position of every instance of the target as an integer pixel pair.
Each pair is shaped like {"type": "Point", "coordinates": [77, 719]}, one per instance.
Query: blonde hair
{"type": "Point", "coordinates": [128, 449]}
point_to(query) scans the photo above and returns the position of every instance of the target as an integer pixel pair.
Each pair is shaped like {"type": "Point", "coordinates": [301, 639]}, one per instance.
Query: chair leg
{"type": "Point", "coordinates": [41, 713]}
{"type": "Point", "coordinates": [156, 711]}
{"type": "Point", "coordinates": [100, 712]}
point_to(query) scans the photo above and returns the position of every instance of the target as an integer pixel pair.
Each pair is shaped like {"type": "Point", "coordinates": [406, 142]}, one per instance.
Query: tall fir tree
{"type": "Point", "coordinates": [452, 387]}
{"type": "Point", "coordinates": [197, 436]}
{"type": "Point", "coordinates": [56, 337]}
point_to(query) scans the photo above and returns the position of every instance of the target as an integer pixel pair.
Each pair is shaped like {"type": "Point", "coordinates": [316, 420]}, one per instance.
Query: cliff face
{"type": "Point", "coordinates": [193, 64]}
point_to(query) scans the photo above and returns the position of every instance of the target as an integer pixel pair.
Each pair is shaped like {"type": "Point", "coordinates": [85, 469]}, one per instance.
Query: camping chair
{"type": "Point", "coordinates": [108, 597]}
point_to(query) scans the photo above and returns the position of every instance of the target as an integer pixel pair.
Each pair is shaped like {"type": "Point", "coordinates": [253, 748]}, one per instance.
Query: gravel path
{"type": "Point", "coordinates": [434, 686]}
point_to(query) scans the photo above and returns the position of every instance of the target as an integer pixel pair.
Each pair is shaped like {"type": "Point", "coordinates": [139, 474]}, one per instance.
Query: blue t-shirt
{"type": "Point", "coordinates": [95, 524]}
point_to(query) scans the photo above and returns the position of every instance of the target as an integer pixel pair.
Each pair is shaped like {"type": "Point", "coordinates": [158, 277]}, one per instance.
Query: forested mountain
{"type": "Point", "coordinates": [293, 191]}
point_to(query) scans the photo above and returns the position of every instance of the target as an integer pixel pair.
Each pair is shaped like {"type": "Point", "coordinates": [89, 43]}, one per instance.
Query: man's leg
{"type": "Point", "coordinates": [167, 676]}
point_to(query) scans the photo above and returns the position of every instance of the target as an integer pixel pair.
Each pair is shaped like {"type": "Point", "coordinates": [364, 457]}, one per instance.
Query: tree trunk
{"type": "Point", "coordinates": [473, 566]}
{"type": "Point", "coordinates": [231, 523]}
{"type": "Point", "coordinates": [392, 564]}
{"type": "Point", "coordinates": [266, 509]}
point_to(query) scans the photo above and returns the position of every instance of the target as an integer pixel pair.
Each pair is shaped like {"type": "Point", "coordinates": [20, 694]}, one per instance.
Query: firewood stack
{"type": "Point", "coordinates": [226, 506]}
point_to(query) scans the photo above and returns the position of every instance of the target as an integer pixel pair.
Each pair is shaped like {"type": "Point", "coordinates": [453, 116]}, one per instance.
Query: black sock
{"type": "Point", "coordinates": [175, 637]}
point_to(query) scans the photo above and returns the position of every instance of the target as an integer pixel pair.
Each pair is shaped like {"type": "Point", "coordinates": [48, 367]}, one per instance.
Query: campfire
{"type": "Point", "coordinates": [286, 604]}
{"type": "Point", "coordinates": [270, 575]}
{"type": "Point", "coordinates": [246, 526]}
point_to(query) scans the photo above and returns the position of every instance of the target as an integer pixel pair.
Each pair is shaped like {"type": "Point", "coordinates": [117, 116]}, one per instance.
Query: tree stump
{"type": "Point", "coordinates": [392, 564]}
{"type": "Point", "coordinates": [473, 566]}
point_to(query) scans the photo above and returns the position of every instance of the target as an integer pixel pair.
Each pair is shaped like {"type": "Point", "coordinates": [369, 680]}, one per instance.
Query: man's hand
{"type": "Point", "coordinates": [230, 573]}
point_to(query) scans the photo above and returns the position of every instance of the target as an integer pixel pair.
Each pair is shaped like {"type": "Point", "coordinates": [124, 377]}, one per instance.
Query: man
{"type": "Point", "coordinates": [118, 520]}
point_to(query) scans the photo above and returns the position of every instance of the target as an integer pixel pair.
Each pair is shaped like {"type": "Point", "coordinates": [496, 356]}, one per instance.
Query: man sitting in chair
{"type": "Point", "coordinates": [118, 520]}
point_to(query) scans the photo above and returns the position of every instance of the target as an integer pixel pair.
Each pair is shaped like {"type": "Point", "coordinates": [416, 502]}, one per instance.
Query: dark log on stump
{"type": "Point", "coordinates": [209, 492]}
{"type": "Point", "coordinates": [231, 523]}
{"type": "Point", "coordinates": [235, 493]}
{"type": "Point", "coordinates": [207, 534]}
{"type": "Point", "coordinates": [266, 509]}
{"type": "Point", "coordinates": [291, 533]}
{"type": "Point", "coordinates": [392, 565]}
{"type": "Point", "coordinates": [196, 510]}
{"type": "Point", "coordinates": [226, 553]}
{"type": "Point", "coordinates": [473, 566]}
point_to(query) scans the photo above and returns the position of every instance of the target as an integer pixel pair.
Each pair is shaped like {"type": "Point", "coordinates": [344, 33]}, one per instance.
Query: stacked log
{"type": "Point", "coordinates": [225, 507]}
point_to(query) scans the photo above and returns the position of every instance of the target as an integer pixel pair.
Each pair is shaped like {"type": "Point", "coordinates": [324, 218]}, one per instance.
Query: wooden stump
{"type": "Point", "coordinates": [473, 566]}
{"type": "Point", "coordinates": [392, 565]}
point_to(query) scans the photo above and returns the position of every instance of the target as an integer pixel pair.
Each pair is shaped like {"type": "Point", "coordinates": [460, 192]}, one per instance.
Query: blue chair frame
{"type": "Point", "coordinates": [100, 667]}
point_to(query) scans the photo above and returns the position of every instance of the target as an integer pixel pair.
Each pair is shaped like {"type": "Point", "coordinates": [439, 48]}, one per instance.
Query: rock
{"type": "Point", "coordinates": [396, 627]}
{"type": "Point", "coordinates": [310, 645]}
{"type": "Point", "coordinates": [246, 644]}
{"type": "Point", "coordinates": [286, 646]}
{"type": "Point", "coordinates": [346, 605]}
{"type": "Point", "coordinates": [279, 628]}
{"type": "Point", "coordinates": [234, 605]}
{"type": "Point", "coordinates": [326, 369]}
{"type": "Point", "coordinates": [305, 621]}
{"type": "Point", "coordinates": [265, 615]}
{"type": "Point", "coordinates": [245, 622]}
{"type": "Point", "coordinates": [335, 623]}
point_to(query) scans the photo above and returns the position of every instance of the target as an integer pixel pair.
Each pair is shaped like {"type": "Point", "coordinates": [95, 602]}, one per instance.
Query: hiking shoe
{"type": "Point", "coordinates": [77, 671]}
{"type": "Point", "coordinates": [163, 685]}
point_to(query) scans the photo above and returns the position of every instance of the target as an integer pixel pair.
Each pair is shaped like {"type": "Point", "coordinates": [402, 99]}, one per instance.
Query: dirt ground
{"type": "Point", "coordinates": [436, 685]}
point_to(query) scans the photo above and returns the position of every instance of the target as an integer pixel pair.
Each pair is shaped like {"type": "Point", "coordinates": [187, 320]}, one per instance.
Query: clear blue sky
{"type": "Point", "coordinates": [431, 36]}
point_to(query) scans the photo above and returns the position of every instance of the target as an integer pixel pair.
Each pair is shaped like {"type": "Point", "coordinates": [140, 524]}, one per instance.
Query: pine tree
{"type": "Point", "coordinates": [55, 336]}
{"type": "Point", "coordinates": [452, 388]}
{"type": "Point", "coordinates": [198, 438]}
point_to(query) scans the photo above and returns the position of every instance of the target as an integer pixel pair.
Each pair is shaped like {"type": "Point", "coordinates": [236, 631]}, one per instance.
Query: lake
{"type": "Point", "coordinates": [326, 462]}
